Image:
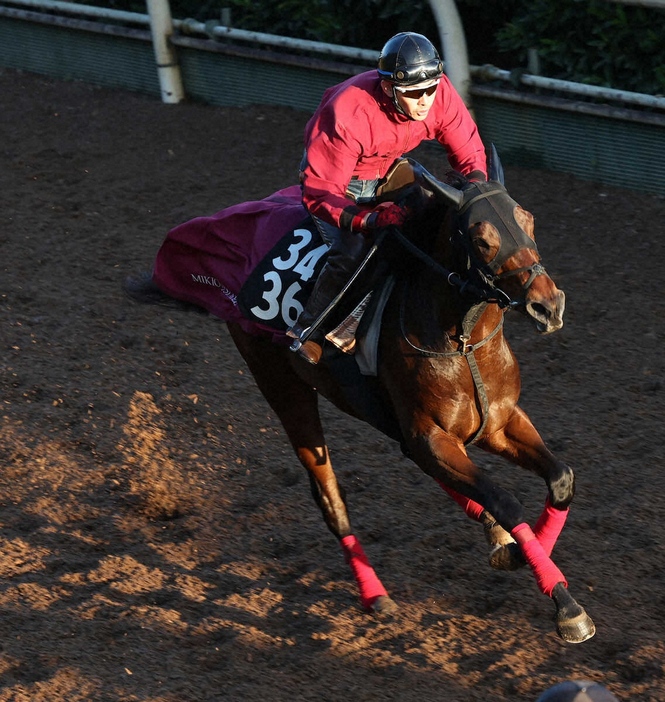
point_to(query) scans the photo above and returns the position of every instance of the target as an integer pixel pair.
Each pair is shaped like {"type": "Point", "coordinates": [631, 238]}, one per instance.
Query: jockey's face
{"type": "Point", "coordinates": [416, 100]}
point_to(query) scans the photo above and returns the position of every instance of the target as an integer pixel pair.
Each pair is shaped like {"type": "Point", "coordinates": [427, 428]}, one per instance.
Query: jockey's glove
{"type": "Point", "coordinates": [387, 214]}
{"type": "Point", "coordinates": [477, 177]}
{"type": "Point", "coordinates": [473, 178]}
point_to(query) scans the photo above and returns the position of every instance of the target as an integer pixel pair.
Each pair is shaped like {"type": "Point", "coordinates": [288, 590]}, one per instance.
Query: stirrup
{"type": "Point", "coordinates": [310, 351]}
{"type": "Point", "coordinates": [303, 345]}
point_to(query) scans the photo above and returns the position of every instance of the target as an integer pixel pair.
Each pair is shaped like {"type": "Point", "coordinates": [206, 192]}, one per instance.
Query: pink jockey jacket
{"type": "Point", "coordinates": [356, 132]}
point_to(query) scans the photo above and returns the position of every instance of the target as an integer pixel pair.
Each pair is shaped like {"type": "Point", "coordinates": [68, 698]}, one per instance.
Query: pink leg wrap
{"type": "Point", "coordinates": [472, 509]}
{"type": "Point", "coordinates": [547, 574]}
{"type": "Point", "coordinates": [549, 526]}
{"type": "Point", "coordinates": [368, 583]}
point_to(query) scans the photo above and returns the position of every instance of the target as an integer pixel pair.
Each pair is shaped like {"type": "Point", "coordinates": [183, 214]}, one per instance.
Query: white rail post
{"type": "Point", "coordinates": [161, 27]}
{"type": "Point", "coordinates": [453, 41]}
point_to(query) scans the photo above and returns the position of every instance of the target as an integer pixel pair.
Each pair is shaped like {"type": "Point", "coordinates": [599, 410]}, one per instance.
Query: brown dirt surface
{"type": "Point", "coordinates": [158, 540]}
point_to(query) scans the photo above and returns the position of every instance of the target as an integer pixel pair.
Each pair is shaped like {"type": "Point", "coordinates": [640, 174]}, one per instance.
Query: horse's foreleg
{"type": "Point", "coordinates": [295, 403]}
{"type": "Point", "coordinates": [573, 624]}
{"type": "Point", "coordinates": [444, 458]}
{"type": "Point", "coordinates": [520, 443]}
{"type": "Point", "coordinates": [550, 525]}
{"type": "Point", "coordinates": [505, 554]}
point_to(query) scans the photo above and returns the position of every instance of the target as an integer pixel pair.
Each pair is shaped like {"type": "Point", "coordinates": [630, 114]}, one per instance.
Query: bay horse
{"type": "Point", "coordinates": [446, 378]}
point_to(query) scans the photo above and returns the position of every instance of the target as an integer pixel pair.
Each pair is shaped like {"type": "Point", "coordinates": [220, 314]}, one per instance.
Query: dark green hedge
{"type": "Point", "coordinates": [590, 41]}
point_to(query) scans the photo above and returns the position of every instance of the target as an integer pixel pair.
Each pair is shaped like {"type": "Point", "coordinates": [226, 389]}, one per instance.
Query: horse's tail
{"type": "Point", "coordinates": [141, 288]}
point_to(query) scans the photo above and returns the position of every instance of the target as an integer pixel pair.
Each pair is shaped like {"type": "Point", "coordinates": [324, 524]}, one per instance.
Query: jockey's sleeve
{"type": "Point", "coordinates": [457, 132]}
{"type": "Point", "coordinates": [331, 160]}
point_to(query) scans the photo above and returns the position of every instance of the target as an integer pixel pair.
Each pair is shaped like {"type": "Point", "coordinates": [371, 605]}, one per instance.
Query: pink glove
{"type": "Point", "coordinates": [387, 214]}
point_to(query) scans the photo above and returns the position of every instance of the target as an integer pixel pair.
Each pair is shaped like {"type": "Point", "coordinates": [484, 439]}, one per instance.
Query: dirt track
{"type": "Point", "coordinates": [158, 541]}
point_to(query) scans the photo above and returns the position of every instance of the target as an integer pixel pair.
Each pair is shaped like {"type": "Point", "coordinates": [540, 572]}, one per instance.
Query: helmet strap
{"type": "Point", "coordinates": [398, 107]}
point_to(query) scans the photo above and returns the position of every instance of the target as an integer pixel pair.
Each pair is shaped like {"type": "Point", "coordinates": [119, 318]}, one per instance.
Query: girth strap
{"type": "Point", "coordinates": [468, 323]}
{"type": "Point", "coordinates": [482, 396]}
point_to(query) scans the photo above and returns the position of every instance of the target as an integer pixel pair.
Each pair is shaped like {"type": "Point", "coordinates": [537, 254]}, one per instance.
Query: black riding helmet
{"type": "Point", "coordinates": [408, 59]}
{"type": "Point", "coordinates": [577, 691]}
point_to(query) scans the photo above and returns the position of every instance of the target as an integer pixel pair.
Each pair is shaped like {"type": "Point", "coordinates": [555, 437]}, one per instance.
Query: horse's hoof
{"type": "Point", "coordinates": [505, 554]}
{"type": "Point", "coordinates": [576, 629]}
{"type": "Point", "coordinates": [573, 624]}
{"type": "Point", "coordinates": [507, 557]}
{"type": "Point", "coordinates": [384, 606]}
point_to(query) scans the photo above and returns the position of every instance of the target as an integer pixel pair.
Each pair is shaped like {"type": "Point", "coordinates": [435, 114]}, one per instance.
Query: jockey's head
{"type": "Point", "coordinates": [410, 69]}
{"type": "Point", "coordinates": [577, 691]}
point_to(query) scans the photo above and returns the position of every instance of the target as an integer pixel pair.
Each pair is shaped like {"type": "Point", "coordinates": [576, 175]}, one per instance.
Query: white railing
{"type": "Point", "coordinates": [452, 38]}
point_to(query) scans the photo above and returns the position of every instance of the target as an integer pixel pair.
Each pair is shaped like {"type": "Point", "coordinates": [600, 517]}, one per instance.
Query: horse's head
{"type": "Point", "coordinates": [496, 236]}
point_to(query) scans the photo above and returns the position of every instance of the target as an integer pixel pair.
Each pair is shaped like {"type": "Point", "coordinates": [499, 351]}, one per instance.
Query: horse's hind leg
{"type": "Point", "coordinates": [296, 404]}
{"type": "Point", "coordinates": [504, 553]}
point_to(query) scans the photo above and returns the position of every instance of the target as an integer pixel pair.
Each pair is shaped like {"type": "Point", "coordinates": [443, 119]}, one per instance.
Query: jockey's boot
{"type": "Point", "coordinates": [311, 348]}
{"type": "Point", "coordinates": [338, 269]}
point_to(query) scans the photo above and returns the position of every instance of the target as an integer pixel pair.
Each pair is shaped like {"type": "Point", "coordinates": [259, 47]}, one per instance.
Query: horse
{"type": "Point", "coordinates": [445, 379]}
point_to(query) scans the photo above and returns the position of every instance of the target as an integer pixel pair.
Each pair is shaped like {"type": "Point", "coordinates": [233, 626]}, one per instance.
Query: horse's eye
{"type": "Point", "coordinates": [482, 244]}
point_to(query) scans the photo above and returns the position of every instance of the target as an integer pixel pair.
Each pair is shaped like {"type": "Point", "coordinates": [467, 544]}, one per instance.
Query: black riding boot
{"type": "Point", "coordinates": [340, 266]}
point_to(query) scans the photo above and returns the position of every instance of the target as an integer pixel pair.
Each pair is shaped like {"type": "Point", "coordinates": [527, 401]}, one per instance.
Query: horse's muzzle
{"type": "Point", "coordinates": [547, 314]}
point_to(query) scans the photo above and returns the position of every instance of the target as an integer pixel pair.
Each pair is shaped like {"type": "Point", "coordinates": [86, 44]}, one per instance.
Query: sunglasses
{"type": "Point", "coordinates": [416, 94]}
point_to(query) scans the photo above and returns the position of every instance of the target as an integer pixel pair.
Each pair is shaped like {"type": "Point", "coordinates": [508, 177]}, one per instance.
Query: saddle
{"type": "Point", "coordinates": [256, 263]}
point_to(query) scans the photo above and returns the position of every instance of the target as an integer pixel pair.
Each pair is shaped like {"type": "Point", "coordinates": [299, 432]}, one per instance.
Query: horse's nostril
{"type": "Point", "coordinates": [539, 311]}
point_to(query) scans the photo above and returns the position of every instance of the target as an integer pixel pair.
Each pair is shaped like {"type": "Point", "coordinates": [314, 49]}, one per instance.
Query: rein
{"type": "Point", "coordinates": [490, 294]}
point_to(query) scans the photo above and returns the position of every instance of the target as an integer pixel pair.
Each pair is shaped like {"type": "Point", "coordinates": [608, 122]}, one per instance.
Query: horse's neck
{"type": "Point", "coordinates": [435, 318]}
{"type": "Point", "coordinates": [434, 307]}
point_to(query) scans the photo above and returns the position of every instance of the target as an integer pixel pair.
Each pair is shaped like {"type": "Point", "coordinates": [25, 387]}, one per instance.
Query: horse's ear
{"type": "Point", "coordinates": [494, 167]}
{"type": "Point", "coordinates": [447, 192]}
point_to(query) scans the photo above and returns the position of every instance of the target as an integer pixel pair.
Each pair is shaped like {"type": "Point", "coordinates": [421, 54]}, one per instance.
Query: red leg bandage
{"type": "Point", "coordinates": [546, 572]}
{"type": "Point", "coordinates": [369, 585]}
{"type": "Point", "coordinates": [472, 509]}
{"type": "Point", "coordinates": [549, 526]}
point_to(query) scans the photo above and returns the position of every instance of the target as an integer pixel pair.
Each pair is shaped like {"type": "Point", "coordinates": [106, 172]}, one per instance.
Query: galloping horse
{"type": "Point", "coordinates": [445, 378]}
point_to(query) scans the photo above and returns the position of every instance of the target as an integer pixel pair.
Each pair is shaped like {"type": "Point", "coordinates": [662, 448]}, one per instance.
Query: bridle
{"type": "Point", "coordinates": [482, 282]}
{"type": "Point", "coordinates": [479, 281]}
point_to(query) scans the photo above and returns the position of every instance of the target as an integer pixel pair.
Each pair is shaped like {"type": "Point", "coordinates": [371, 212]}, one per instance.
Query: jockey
{"type": "Point", "coordinates": [577, 691]}
{"type": "Point", "coordinates": [353, 138]}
